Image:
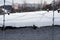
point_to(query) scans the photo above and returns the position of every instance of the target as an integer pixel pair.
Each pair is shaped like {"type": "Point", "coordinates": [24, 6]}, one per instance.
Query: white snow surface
{"type": "Point", "coordinates": [38, 18]}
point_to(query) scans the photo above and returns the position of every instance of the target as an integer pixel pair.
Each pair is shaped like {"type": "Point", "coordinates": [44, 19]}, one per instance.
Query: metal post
{"type": "Point", "coordinates": [4, 16]}
{"type": "Point", "coordinates": [41, 4]}
{"type": "Point", "coordinates": [4, 23]}
{"type": "Point", "coordinates": [53, 18]}
{"type": "Point", "coordinates": [53, 21]}
{"type": "Point", "coordinates": [24, 6]}
{"type": "Point", "coordinates": [53, 12]}
{"type": "Point", "coordinates": [12, 3]}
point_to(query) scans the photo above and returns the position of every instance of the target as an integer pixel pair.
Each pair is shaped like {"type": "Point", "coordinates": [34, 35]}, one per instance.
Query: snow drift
{"type": "Point", "coordinates": [38, 18]}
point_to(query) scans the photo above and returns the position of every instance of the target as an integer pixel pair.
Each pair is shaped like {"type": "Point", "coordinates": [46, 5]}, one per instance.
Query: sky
{"type": "Point", "coordinates": [27, 1]}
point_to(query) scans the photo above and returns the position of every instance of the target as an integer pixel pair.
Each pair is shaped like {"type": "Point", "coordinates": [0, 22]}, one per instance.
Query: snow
{"type": "Point", "coordinates": [38, 18]}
